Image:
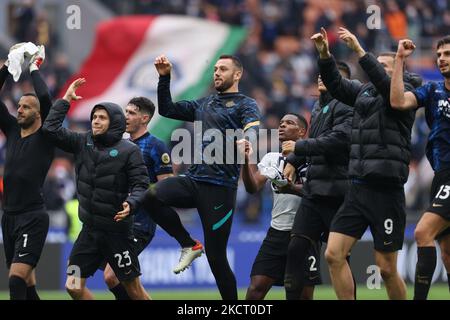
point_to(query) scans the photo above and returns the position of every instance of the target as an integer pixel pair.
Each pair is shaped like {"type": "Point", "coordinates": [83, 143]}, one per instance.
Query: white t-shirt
{"type": "Point", "coordinates": [284, 205]}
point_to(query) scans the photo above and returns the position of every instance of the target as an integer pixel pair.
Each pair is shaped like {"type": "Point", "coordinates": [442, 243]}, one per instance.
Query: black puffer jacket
{"type": "Point", "coordinates": [381, 136]}
{"type": "Point", "coordinates": [326, 149]}
{"type": "Point", "coordinates": [110, 170]}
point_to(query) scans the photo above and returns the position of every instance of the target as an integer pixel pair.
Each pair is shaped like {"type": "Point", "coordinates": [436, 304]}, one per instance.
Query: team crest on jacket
{"type": "Point", "coordinates": [165, 158]}
{"type": "Point", "coordinates": [325, 109]}
{"type": "Point", "coordinates": [113, 153]}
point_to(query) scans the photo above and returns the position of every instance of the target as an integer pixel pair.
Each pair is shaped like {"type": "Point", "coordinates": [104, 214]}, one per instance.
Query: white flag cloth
{"type": "Point", "coordinates": [17, 56]}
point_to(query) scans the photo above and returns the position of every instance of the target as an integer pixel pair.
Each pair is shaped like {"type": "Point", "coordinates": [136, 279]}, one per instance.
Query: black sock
{"type": "Point", "coordinates": [17, 288]}
{"type": "Point", "coordinates": [426, 263]}
{"type": "Point", "coordinates": [167, 218]}
{"type": "Point", "coordinates": [294, 279]}
{"type": "Point", "coordinates": [353, 277]}
{"type": "Point", "coordinates": [119, 292]}
{"type": "Point", "coordinates": [32, 293]}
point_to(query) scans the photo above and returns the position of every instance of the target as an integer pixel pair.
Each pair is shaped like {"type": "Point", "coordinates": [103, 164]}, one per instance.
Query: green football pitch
{"type": "Point", "coordinates": [437, 292]}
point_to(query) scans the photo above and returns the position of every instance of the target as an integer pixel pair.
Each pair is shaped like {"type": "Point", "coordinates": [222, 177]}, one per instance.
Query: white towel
{"type": "Point", "coordinates": [17, 56]}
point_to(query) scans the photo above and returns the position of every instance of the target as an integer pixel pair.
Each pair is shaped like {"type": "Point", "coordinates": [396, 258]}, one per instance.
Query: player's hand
{"type": "Point", "coordinates": [37, 59]}
{"type": "Point", "coordinates": [405, 48]}
{"type": "Point", "coordinates": [286, 189]}
{"type": "Point", "coordinates": [351, 41]}
{"type": "Point", "coordinates": [163, 65]}
{"type": "Point", "coordinates": [124, 213]}
{"type": "Point", "coordinates": [289, 172]}
{"type": "Point", "coordinates": [245, 149]}
{"type": "Point", "coordinates": [287, 147]}
{"type": "Point", "coordinates": [71, 91]}
{"type": "Point", "coordinates": [321, 41]}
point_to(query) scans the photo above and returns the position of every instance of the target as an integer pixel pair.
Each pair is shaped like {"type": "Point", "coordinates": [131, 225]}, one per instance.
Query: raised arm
{"type": "Point", "coordinates": [7, 121]}
{"type": "Point", "coordinates": [182, 110]}
{"type": "Point", "coordinates": [63, 138]}
{"type": "Point", "coordinates": [400, 99]}
{"type": "Point", "coordinates": [374, 70]}
{"type": "Point", "coordinates": [253, 180]}
{"type": "Point", "coordinates": [42, 92]}
{"type": "Point", "coordinates": [40, 87]}
{"type": "Point", "coordinates": [340, 88]}
{"type": "Point", "coordinates": [4, 73]}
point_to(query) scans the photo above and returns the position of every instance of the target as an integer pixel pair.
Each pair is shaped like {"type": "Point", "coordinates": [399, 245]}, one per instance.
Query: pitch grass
{"type": "Point", "coordinates": [437, 292]}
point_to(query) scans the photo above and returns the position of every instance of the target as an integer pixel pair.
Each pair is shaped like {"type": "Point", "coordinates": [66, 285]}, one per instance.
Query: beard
{"type": "Point", "coordinates": [25, 123]}
{"type": "Point", "coordinates": [225, 85]}
{"type": "Point", "coordinates": [446, 74]}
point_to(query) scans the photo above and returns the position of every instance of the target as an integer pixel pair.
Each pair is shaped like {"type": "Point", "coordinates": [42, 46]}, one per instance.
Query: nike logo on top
{"type": "Point", "coordinates": [218, 207]}
{"type": "Point", "coordinates": [23, 254]}
{"type": "Point", "coordinates": [437, 205]}
{"type": "Point", "coordinates": [386, 243]}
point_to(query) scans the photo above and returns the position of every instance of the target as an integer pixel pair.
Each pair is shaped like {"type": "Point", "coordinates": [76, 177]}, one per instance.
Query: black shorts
{"type": "Point", "coordinates": [440, 194]}
{"type": "Point", "coordinates": [24, 237]}
{"type": "Point", "coordinates": [314, 216]}
{"type": "Point", "coordinates": [382, 208]}
{"type": "Point", "coordinates": [140, 241]}
{"type": "Point", "coordinates": [271, 259]}
{"type": "Point", "coordinates": [440, 198]}
{"type": "Point", "coordinates": [94, 246]}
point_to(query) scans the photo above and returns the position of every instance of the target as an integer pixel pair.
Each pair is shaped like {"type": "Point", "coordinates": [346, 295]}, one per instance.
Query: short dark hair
{"type": "Point", "coordinates": [444, 40]}
{"type": "Point", "coordinates": [301, 119]}
{"type": "Point", "coordinates": [342, 66]}
{"type": "Point", "coordinates": [144, 105]}
{"type": "Point", "coordinates": [235, 60]}
{"type": "Point", "coordinates": [98, 107]}
{"type": "Point", "coordinates": [391, 54]}
{"type": "Point", "coordinates": [31, 94]}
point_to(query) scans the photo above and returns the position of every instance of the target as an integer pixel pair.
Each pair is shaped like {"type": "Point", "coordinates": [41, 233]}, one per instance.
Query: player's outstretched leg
{"type": "Point", "coordinates": [216, 239]}
{"type": "Point", "coordinates": [444, 243]}
{"type": "Point", "coordinates": [259, 286]}
{"type": "Point", "coordinates": [76, 288]}
{"type": "Point", "coordinates": [294, 278]}
{"type": "Point", "coordinates": [163, 214]}
{"type": "Point", "coordinates": [188, 255]}
{"type": "Point", "coordinates": [31, 287]}
{"type": "Point", "coordinates": [395, 286]}
{"type": "Point", "coordinates": [19, 277]}
{"type": "Point", "coordinates": [114, 285]}
{"type": "Point", "coordinates": [428, 227]}
{"type": "Point", "coordinates": [135, 289]}
{"type": "Point", "coordinates": [339, 245]}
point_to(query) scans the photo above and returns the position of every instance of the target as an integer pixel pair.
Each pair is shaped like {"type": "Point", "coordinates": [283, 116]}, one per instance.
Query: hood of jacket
{"type": "Point", "coordinates": [117, 124]}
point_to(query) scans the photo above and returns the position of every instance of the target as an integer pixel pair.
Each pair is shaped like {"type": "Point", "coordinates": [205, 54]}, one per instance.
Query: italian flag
{"type": "Point", "coordinates": [121, 64]}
